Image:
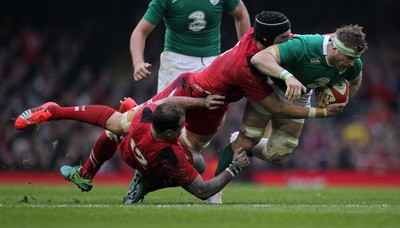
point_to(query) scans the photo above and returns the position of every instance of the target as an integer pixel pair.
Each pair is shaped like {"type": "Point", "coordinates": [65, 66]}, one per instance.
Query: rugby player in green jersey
{"type": "Point", "coordinates": [192, 36]}
{"type": "Point", "coordinates": [295, 68]}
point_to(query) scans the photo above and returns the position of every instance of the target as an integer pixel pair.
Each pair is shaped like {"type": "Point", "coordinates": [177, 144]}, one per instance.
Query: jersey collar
{"type": "Point", "coordinates": [325, 48]}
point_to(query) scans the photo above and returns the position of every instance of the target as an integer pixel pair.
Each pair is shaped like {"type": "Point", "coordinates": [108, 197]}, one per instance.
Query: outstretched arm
{"type": "Point", "coordinates": [282, 110]}
{"type": "Point", "coordinates": [211, 102]}
{"type": "Point", "coordinates": [204, 190]}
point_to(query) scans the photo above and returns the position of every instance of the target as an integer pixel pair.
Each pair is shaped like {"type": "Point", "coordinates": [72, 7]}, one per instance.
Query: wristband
{"type": "Point", "coordinates": [317, 112]}
{"type": "Point", "coordinates": [285, 74]}
{"type": "Point", "coordinates": [312, 112]}
{"type": "Point", "coordinates": [230, 172]}
{"type": "Point", "coordinates": [233, 169]}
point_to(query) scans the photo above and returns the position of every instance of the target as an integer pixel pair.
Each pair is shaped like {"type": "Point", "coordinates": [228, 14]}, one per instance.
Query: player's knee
{"type": "Point", "coordinates": [279, 147]}
{"type": "Point", "coordinates": [278, 159]}
{"type": "Point", "coordinates": [189, 141]}
{"type": "Point", "coordinates": [125, 123]}
{"type": "Point", "coordinates": [111, 136]}
{"type": "Point", "coordinates": [250, 137]}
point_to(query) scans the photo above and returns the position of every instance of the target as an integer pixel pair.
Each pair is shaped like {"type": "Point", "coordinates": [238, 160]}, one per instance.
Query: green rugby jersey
{"type": "Point", "coordinates": [192, 26]}
{"type": "Point", "coordinates": [305, 57]}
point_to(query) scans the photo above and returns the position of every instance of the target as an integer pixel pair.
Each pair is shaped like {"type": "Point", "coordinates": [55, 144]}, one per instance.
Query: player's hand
{"type": "Point", "coordinates": [214, 101]}
{"type": "Point", "coordinates": [241, 158]}
{"type": "Point", "coordinates": [294, 89]}
{"type": "Point", "coordinates": [334, 109]}
{"type": "Point", "coordinates": [320, 98]}
{"type": "Point", "coordinates": [142, 70]}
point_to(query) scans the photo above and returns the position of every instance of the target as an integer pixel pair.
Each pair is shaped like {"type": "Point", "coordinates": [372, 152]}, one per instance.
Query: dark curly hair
{"type": "Point", "coordinates": [352, 37]}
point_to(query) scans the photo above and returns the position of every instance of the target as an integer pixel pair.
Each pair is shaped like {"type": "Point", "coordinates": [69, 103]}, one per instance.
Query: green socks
{"type": "Point", "coordinates": [225, 159]}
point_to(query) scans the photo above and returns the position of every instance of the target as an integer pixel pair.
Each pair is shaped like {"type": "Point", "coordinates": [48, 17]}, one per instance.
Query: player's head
{"type": "Point", "coordinates": [271, 27]}
{"type": "Point", "coordinates": [350, 39]}
{"type": "Point", "coordinates": [168, 119]}
{"type": "Point", "coordinates": [347, 45]}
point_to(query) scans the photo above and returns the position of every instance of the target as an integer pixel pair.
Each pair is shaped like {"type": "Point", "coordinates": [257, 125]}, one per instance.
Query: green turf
{"type": "Point", "coordinates": [244, 206]}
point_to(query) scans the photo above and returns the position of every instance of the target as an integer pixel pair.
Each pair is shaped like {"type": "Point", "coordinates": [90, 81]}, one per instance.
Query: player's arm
{"type": "Point", "coordinates": [354, 85]}
{"type": "Point", "coordinates": [204, 190]}
{"type": "Point", "coordinates": [283, 110]}
{"type": "Point", "coordinates": [267, 62]}
{"type": "Point", "coordinates": [242, 19]}
{"type": "Point", "coordinates": [119, 123]}
{"type": "Point", "coordinates": [211, 102]}
{"type": "Point", "coordinates": [137, 45]}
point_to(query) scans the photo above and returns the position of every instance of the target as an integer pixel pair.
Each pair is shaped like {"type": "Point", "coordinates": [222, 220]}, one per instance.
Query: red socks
{"type": "Point", "coordinates": [91, 114]}
{"type": "Point", "coordinates": [97, 115]}
{"type": "Point", "coordinates": [102, 151]}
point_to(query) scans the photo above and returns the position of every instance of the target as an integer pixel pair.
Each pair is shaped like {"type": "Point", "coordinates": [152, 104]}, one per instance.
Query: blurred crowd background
{"type": "Point", "coordinates": [77, 52]}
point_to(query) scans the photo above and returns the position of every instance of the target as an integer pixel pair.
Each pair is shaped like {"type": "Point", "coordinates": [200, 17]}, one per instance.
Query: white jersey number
{"type": "Point", "coordinates": [138, 155]}
{"type": "Point", "coordinates": [199, 21]}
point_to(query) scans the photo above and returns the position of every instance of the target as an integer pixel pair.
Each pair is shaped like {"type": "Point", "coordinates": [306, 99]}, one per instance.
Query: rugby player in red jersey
{"type": "Point", "coordinates": [149, 142]}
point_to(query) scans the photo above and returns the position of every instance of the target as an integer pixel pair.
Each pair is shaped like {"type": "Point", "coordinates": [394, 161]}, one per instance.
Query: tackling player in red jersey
{"type": "Point", "coordinates": [149, 142]}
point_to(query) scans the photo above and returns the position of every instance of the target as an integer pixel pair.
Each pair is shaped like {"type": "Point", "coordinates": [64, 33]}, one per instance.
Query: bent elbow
{"type": "Point", "coordinates": [202, 194]}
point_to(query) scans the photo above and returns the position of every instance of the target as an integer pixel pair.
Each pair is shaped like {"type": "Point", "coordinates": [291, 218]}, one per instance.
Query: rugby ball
{"type": "Point", "coordinates": [337, 93]}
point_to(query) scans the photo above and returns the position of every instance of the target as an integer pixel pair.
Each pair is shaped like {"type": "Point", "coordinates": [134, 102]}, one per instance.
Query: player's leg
{"type": "Point", "coordinates": [285, 133]}
{"type": "Point", "coordinates": [253, 126]}
{"type": "Point", "coordinates": [283, 139]}
{"type": "Point", "coordinates": [99, 115]}
{"type": "Point", "coordinates": [105, 146]}
{"type": "Point", "coordinates": [103, 150]}
{"type": "Point", "coordinates": [92, 114]}
{"type": "Point", "coordinates": [138, 190]}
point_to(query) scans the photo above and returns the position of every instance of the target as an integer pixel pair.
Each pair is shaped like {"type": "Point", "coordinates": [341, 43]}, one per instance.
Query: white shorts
{"type": "Point", "coordinates": [173, 64]}
{"type": "Point", "coordinates": [305, 100]}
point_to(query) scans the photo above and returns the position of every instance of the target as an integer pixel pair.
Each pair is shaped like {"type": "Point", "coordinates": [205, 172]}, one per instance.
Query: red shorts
{"type": "Point", "coordinates": [201, 121]}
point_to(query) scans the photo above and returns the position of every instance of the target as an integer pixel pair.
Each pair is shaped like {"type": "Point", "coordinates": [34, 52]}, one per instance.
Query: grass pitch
{"type": "Point", "coordinates": [244, 205]}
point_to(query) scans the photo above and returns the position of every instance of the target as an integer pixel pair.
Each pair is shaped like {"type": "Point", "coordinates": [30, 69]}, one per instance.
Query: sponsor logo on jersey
{"type": "Point", "coordinates": [319, 82]}
{"type": "Point", "coordinates": [315, 61]}
{"type": "Point", "coordinates": [198, 88]}
{"type": "Point", "coordinates": [214, 2]}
